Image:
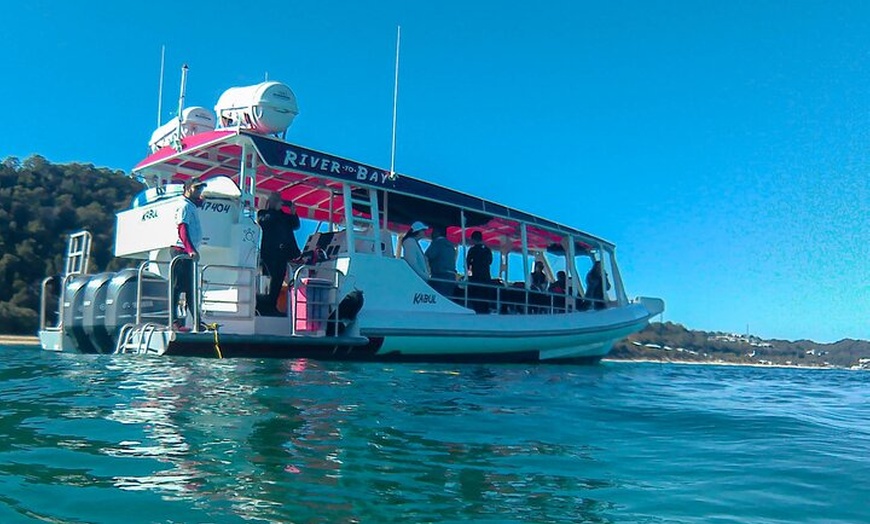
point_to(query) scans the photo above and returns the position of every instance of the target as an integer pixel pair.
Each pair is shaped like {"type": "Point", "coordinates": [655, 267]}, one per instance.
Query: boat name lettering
{"type": "Point", "coordinates": [294, 159]}
{"type": "Point", "coordinates": [216, 207]}
{"type": "Point", "coordinates": [424, 298]}
{"type": "Point", "coordinates": [376, 176]}
{"type": "Point", "coordinates": [148, 215]}
{"type": "Point", "coordinates": [310, 162]}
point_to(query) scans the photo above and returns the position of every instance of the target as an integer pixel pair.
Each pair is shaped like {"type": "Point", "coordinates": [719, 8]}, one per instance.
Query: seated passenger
{"type": "Point", "coordinates": [441, 255]}
{"type": "Point", "coordinates": [539, 279]}
{"type": "Point", "coordinates": [560, 285]}
{"type": "Point", "coordinates": [412, 252]}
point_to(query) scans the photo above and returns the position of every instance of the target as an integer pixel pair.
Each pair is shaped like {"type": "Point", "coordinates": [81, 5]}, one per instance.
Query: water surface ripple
{"type": "Point", "coordinates": [108, 439]}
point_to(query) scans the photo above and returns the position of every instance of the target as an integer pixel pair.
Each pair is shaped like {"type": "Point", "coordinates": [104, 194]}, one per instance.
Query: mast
{"type": "Point", "coordinates": [181, 95]}
{"type": "Point", "coordinates": [178, 136]}
{"type": "Point", "coordinates": [395, 104]}
{"type": "Point", "coordinates": [160, 89]}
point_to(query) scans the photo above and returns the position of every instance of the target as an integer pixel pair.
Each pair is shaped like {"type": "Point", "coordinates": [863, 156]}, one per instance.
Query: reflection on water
{"type": "Point", "coordinates": [187, 440]}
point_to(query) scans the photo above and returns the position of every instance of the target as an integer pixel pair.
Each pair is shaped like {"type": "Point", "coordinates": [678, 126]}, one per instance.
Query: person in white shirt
{"type": "Point", "coordinates": [189, 239]}
{"type": "Point", "coordinates": [412, 252]}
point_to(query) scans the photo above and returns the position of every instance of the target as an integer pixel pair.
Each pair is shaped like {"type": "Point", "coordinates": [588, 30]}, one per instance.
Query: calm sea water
{"type": "Point", "coordinates": [145, 439]}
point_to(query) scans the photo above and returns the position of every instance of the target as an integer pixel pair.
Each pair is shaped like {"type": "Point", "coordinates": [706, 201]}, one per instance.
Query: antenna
{"type": "Point", "coordinates": [184, 69]}
{"type": "Point", "coordinates": [160, 89]}
{"type": "Point", "coordinates": [395, 104]}
{"type": "Point", "coordinates": [178, 144]}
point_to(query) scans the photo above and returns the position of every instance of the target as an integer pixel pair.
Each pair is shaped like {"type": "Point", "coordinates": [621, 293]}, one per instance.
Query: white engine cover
{"type": "Point", "coordinates": [267, 108]}
{"type": "Point", "coordinates": [193, 120]}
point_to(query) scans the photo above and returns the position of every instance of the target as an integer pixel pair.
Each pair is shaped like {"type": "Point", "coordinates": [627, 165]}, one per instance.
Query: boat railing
{"type": "Point", "coordinates": [497, 297]}
{"type": "Point", "coordinates": [156, 294]}
{"type": "Point", "coordinates": [51, 298]}
{"type": "Point", "coordinates": [228, 291]}
{"type": "Point", "coordinates": [313, 301]}
{"type": "Point", "coordinates": [219, 290]}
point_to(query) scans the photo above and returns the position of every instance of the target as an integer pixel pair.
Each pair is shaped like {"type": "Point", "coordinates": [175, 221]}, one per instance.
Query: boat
{"type": "Point", "coordinates": [350, 295]}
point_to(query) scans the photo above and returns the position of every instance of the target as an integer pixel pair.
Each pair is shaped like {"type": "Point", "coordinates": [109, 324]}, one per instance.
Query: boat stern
{"type": "Point", "coordinates": [55, 340]}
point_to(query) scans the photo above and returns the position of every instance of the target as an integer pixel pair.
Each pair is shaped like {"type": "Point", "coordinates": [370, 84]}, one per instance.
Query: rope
{"type": "Point", "coordinates": [217, 345]}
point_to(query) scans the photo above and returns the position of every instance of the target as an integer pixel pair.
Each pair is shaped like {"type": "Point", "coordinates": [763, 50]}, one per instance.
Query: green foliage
{"type": "Point", "coordinates": [40, 205]}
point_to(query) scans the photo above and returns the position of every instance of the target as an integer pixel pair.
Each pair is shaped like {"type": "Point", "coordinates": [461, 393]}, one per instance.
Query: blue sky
{"type": "Point", "coordinates": [723, 146]}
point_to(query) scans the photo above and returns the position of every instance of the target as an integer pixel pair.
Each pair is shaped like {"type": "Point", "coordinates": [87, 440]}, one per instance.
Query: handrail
{"type": "Point", "coordinates": [328, 306]}
{"type": "Point", "coordinates": [506, 299]}
{"type": "Point", "coordinates": [43, 305]}
{"type": "Point", "coordinates": [196, 300]}
{"type": "Point", "coordinates": [140, 279]}
{"type": "Point", "coordinates": [246, 288]}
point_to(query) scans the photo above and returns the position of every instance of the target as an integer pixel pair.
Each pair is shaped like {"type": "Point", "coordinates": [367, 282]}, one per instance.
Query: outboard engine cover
{"type": "Point", "coordinates": [94, 313]}
{"type": "Point", "coordinates": [121, 301]}
{"type": "Point", "coordinates": [73, 313]}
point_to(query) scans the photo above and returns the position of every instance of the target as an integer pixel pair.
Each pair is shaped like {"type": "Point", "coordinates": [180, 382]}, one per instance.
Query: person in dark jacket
{"type": "Point", "coordinates": [278, 245]}
{"type": "Point", "coordinates": [595, 282]}
{"type": "Point", "coordinates": [539, 279]}
{"type": "Point", "coordinates": [478, 262]}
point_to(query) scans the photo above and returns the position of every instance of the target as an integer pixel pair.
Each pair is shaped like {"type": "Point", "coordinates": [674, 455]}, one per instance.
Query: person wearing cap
{"type": "Point", "coordinates": [441, 255]}
{"type": "Point", "coordinates": [189, 238]}
{"type": "Point", "coordinates": [412, 252]}
{"type": "Point", "coordinates": [278, 245]}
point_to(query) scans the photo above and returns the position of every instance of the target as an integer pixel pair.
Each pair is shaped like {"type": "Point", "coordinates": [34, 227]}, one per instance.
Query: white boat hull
{"type": "Point", "coordinates": [579, 335]}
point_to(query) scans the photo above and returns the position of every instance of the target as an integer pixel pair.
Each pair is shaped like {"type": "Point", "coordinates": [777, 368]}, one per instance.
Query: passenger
{"type": "Point", "coordinates": [539, 279]}
{"type": "Point", "coordinates": [412, 252]}
{"type": "Point", "coordinates": [278, 246]}
{"type": "Point", "coordinates": [189, 237]}
{"type": "Point", "coordinates": [595, 282]}
{"type": "Point", "coordinates": [441, 255]}
{"type": "Point", "coordinates": [560, 284]}
{"type": "Point", "coordinates": [559, 287]}
{"type": "Point", "coordinates": [478, 262]}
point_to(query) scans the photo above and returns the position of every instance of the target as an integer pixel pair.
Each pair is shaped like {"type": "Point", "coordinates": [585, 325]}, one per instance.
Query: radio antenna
{"type": "Point", "coordinates": [183, 88]}
{"type": "Point", "coordinates": [178, 131]}
{"type": "Point", "coordinates": [395, 104]}
{"type": "Point", "coordinates": [160, 89]}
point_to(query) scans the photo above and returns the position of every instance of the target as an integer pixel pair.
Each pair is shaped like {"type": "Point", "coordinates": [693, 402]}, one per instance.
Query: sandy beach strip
{"type": "Point", "coordinates": [19, 340]}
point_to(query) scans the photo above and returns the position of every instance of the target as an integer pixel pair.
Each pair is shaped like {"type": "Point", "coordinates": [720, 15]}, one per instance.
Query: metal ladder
{"type": "Point", "coordinates": [364, 228]}
{"type": "Point", "coordinates": [136, 339]}
{"type": "Point", "coordinates": [78, 253]}
{"type": "Point", "coordinates": [76, 261]}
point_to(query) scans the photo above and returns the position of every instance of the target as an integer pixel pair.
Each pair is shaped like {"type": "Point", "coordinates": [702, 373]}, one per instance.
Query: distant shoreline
{"type": "Point", "coordinates": [23, 340]}
{"type": "Point", "coordinates": [712, 363]}
{"type": "Point", "coordinates": [30, 340]}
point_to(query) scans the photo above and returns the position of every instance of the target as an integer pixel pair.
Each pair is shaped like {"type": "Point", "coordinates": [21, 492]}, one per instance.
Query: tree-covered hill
{"type": "Point", "coordinates": [40, 204]}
